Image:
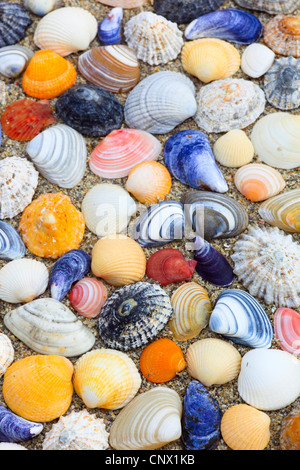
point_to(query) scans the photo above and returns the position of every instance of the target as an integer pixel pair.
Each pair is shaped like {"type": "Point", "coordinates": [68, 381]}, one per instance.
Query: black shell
{"type": "Point", "coordinates": [90, 110]}
{"type": "Point", "coordinates": [184, 11]}
{"type": "Point", "coordinates": [14, 20]}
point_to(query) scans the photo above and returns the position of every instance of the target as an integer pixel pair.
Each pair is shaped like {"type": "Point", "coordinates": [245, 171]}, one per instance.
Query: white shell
{"type": "Point", "coordinates": [22, 280]}
{"type": "Point", "coordinates": [66, 30]}
{"type": "Point", "coordinates": [154, 39]}
{"type": "Point", "coordinates": [11, 446]}
{"type": "Point", "coordinates": [107, 209]}
{"type": "Point", "coordinates": [269, 379]}
{"type": "Point", "coordinates": [59, 153]}
{"type": "Point", "coordinates": [42, 7]}
{"type": "Point", "coordinates": [13, 60]}
{"type": "Point", "coordinates": [257, 59]}
{"type": "Point", "coordinates": [150, 421]}
{"type": "Point", "coordinates": [49, 327]}
{"type": "Point", "coordinates": [7, 353]}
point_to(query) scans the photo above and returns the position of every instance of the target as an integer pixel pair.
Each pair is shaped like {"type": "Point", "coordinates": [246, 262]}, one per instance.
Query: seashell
{"type": "Point", "coordinates": [119, 260]}
{"type": "Point", "coordinates": [13, 428]}
{"type": "Point", "coordinates": [281, 84]}
{"type": "Point", "coordinates": [14, 20]}
{"type": "Point", "coordinates": [105, 378]}
{"type": "Point", "coordinates": [184, 11]}
{"type": "Point", "coordinates": [287, 330]}
{"type": "Point", "coordinates": [113, 68]}
{"type": "Point", "coordinates": [58, 30]}
{"type": "Point", "coordinates": [189, 158]}
{"type": "Point", "coordinates": [213, 361]}
{"type": "Point", "coordinates": [121, 150]}
{"type": "Point", "coordinates": [269, 379]}
{"type": "Point", "coordinates": [210, 59]}
{"type": "Point", "coordinates": [192, 309]}
{"type": "Point", "coordinates": [7, 354]}
{"type": "Point", "coordinates": [22, 280]}
{"type": "Point", "coordinates": [229, 104]}
{"type": "Point", "coordinates": [50, 151]}
{"type": "Point", "coordinates": [265, 262]}
{"type": "Point", "coordinates": [133, 315]}
{"type": "Point", "coordinates": [289, 433]}
{"type": "Point", "coordinates": [42, 7]}
{"type": "Point", "coordinates": [51, 225]}
{"type": "Point", "coordinates": [39, 388]}
{"type": "Point", "coordinates": [281, 34]}
{"type": "Point", "coordinates": [107, 209]}
{"type": "Point", "coordinates": [88, 296]}
{"type": "Point", "coordinates": [270, 6]}
{"type": "Point", "coordinates": [11, 446]}
{"type": "Point", "coordinates": [149, 182]}
{"type": "Point", "coordinates": [49, 327]}
{"type": "Point", "coordinates": [233, 149]}
{"type": "Point", "coordinates": [160, 224]}
{"type": "Point", "coordinates": [168, 265]}
{"type": "Point", "coordinates": [230, 25]}
{"type": "Point", "coordinates": [11, 244]}
{"type": "Point", "coordinates": [240, 318]}
{"type": "Point", "coordinates": [245, 428]}
{"type": "Point", "coordinates": [257, 59]}
{"type": "Point", "coordinates": [154, 105]}
{"type": "Point", "coordinates": [90, 110]}
{"type": "Point", "coordinates": [126, 4]}
{"type": "Point", "coordinates": [214, 215]}
{"type": "Point", "coordinates": [14, 60]}
{"type": "Point", "coordinates": [48, 75]}
{"type": "Point", "coordinates": [109, 30]}
{"type": "Point", "coordinates": [71, 267]}
{"type": "Point", "coordinates": [77, 431]}
{"type": "Point", "coordinates": [150, 421]}
{"type": "Point", "coordinates": [201, 418]}
{"type": "Point", "coordinates": [19, 180]}
{"type": "Point", "coordinates": [154, 39]}
{"type": "Point", "coordinates": [258, 182]}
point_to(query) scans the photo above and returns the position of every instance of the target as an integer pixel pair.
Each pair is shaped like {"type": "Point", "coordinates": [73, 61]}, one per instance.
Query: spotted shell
{"type": "Point", "coordinates": [258, 182]}
{"type": "Point", "coordinates": [88, 296]}
{"type": "Point", "coordinates": [283, 211]}
{"type": "Point", "coordinates": [149, 182]}
{"type": "Point", "coordinates": [233, 149]}
{"type": "Point", "coordinates": [7, 353]}
{"type": "Point", "coordinates": [282, 35]}
{"type": "Point", "coordinates": [13, 60]}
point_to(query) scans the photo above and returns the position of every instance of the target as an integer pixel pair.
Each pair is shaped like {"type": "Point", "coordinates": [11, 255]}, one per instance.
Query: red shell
{"type": "Point", "coordinates": [168, 265]}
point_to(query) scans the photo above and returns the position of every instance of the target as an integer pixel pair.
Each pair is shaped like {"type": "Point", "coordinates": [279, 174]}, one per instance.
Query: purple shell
{"type": "Point", "coordinates": [13, 428]}
{"type": "Point", "coordinates": [109, 30]}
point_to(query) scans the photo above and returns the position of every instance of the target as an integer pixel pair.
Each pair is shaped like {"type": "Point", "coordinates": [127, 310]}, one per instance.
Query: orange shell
{"type": "Point", "coordinates": [290, 431]}
{"type": "Point", "coordinates": [48, 75]}
{"type": "Point", "coordinates": [282, 35]}
{"type": "Point", "coordinates": [161, 361]}
{"type": "Point", "coordinates": [51, 225]}
{"type": "Point", "coordinates": [149, 182]}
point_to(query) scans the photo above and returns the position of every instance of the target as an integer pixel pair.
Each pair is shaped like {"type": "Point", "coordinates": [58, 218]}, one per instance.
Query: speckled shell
{"type": "Point", "coordinates": [7, 353]}
{"type": "Point", "coordinates": [287, 330]}
{"type": "Point", "coordinates": [289, 432]}
{"type": "Point", "coordinates": [283, 211]}
{"type": "Point", "coordinates": [11, 244]}
{"type": "Point", "coordinates": [258, 182]}
{"type": "Point", "coordinates": [13, 60]}
{"type": "Point", "coordinates": [14, 20]}
{"type": "Point", "coordinates": [13, 428]}
{"type": "Point", "coordinates": [282, 35]}
{"type": "Point", "coordinates": [270, 6]}
{"type": "Point", "coordinates": [281, 84]}
{"type": "Point", "coordinates": [257, 59]}
{"type": "Point", "coordinates": [233, 149]}
{"type": "Point", "coordinates": [149, 182]}
{"type": "Point", "coordinates": [88, 296]}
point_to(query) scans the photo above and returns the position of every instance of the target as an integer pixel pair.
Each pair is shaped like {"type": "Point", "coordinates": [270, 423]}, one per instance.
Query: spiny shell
{"type": "Point", "coordinates": [110, 28]}
{"type": "Point", "coordinates": [106, 378]}
{"type": "Point", "coordinates": [282, 35]}
{"type": "Point", "coordinates": [11, 244]}
{"type": "Point", "coordinates": [233, 149]}
{"type": "Point", "coordinates": [150, 421]}
{"type": "Point", "coordinates": [281, 84]}
{"type": "Point", "coordinates": [77, 431]}
{"type": "Point", "coordinates": [19, 180]}
{"type": "Point", "coordinates": [13, 60]}
{"type": "Point", "coordinates": [149, 182]}
{"type": "Point", "coordinates": [184, 11]}
{"type": "Point", "coordinates": [258, 182]}
{"type": "Point", "coordinates": [257, 59]}
{"type": "Point", "coordinates": [88, 296]}
{"type": "Point", "coordinates": [287, 330]}
{"type": "Point", "coordinates": [270, 6]}
{"type": "Point", "coordinates": [13, 428]}
{"type": "Point", "coordinates": [289, 433]}
{"type": "Point", "coordinates": [283, 211]}
{"type": "Point", "coordinates": [14, 20]}
{"type": "Point", "coordinates": [7, 353]}
{"type": "Point", "coordinates": [41, 7]}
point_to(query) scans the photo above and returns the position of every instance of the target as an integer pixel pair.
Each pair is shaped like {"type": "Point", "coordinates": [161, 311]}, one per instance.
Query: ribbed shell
{"type": "Point", "coordinates": [13, 60]}
{"type": "Point", "coordinates": [258, 182]}
{"type": "Point", "coordinates": [270, 6]}
{"type": "Point", "coordinates": [88, 296]}
{"type": "Point", "coordinates": [281, 84]}
{"type": "Point", "coordinates": [149, 182]}
{"type": "Point", "coordinates": [289, 432]}
{"type": "Point", "coordinates": [7, 353]}
{"type": "Point", "coordinates": [257, 59]}
{"type": "Point", "coordinates": [233, 149]}
{"type": "Point", "coordinates": [14, 20]}
{"type": "Point", "coordinates": [11, 244]}
{"type": "Point", "coordinates": [283, 211]}
{"type": "Point", "coordinates": [282, 35]}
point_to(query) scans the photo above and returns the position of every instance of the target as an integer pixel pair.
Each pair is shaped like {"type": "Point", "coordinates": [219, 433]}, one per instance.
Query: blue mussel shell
{"type": "Point", "coordinates": [13, 428]}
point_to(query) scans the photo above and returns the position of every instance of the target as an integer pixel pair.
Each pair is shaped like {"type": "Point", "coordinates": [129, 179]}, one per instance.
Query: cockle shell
{"type": "Point", "coordinates": [22, 280]}
{"type": "Point", "coordinates": [77, 431]}
{"type": "Point", "coordinates": [127, 4]}
{"type": "Point", "coordinates": [66, 30]}
{"type": "Point", "coordinates": [149, 182]}
{"type": "Point", "coordinates": [184, 11]}
{"type": "Point", "coordinates": [42, 7]}
{"type": "Point", "coordinates": [281, 84]}
{"type": "Point", "coordinates": [49, 327]}
{"type": "Point", "coordinates": [11, 244]}
{"type": "Point", "coordinates": [233, 149]}
{"type": "Point", "coordinates": [258, 182]}
{"type": "Point", "coordinates": [282, 35]}
{"type": "Point", "coordinates": [110, 28]}
{"type": "Point", "coordinates": [154, 39]}
{"type": "Point", "coordinates": [106, 378]}
{"type": "Point", "coordinates": [88, 296]}
{"type": "Point", "coordinates": [150, 421]}
{"type": "Point", "coordinates": [287, 330]}
{"type": "Point", "coordinates": [7, 354]}
{"type": "Point", "coordinates": [283, 211]}
{"type": "Point", "coordinates": [13, 428]}
{"type": "Point", "coordinates": [257, 59]}
{"type": "Point", "coordinates": [14, 20]}
{"type": "Point", "coordinates": [13, 60]}
{"type": "Point", "coordinates": [39, 388]}
{"type": "Point", "coordinates": [121, 150]}
{"type": "Point", "coordinates": [289, 433]}
{"type": "Point", "coordinates": [270, 6]}
{"type": "Point", "coordinates": [19, 180]}
{"type": "Point", "coordinates": [269, 379]}
{"type": "Point", "coordinates": [133, 315]}
{"type": "Point", "coordinates": [213, 361]}
{"type": "Point", "coordinates": [168, 265]}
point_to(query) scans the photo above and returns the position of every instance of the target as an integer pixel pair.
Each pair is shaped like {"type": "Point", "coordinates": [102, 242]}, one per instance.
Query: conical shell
{"type": "Point", "coordinates": [88, 296]}
{"type": "Point", "coordinates": [233, 149]}
{"type": "Point", "coordinates": [7, 353]}
{"type": "Point", "coordinates": [13, 60]}
{"type": "Point", "coordinates": [106, 378]}
{"type": "Point", "coordinates": [149, 182]}
{"type": "Point", "coordinates": [258, 182]}
{"type": "Point", "coordinates": [283, 211]}
{"type": "Point", "coordinates": [282, 35]}
{"type": "Point", "coordinates": [257, 59]}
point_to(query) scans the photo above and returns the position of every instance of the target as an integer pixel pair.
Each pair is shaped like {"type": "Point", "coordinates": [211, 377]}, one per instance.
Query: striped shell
{"type": "Point", "coordinates": [13, 60]}
{"type": "Point", "coordinates": [7, 353]}
{"type": "Point", "coordinates": [281, 84]}
{"type": "Point", "coordinates": [233, 149]}
{"type": "Point", "coordinates": [11, 244]}
{"type": "Point", "coordinates": [287, 330]}
{"type": "Point", "coordinates": [88, 296]}
{"type": "Point", "coordinates": [258, 182]}
{"type": "Point", "coordinates": [283, 211]}
{"type": "Point", "coordinates": [149, 182]}
{"type": "Point", "coordinates": [282, 35]}
{"type": "Point", "coordinates": [14, 20]}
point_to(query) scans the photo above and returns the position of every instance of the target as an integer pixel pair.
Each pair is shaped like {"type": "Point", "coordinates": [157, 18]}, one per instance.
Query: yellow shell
{"type": "Point", "coordinates": [210, 59]}
{"type": "Point", "coordinates": [149, 182]}
{"type": "Point", "coordinates": [119, 260]}
{"type": "Point", "coordinates": [245, 428]}
{"type": "Point", "coordinates": [234, 149]}
{"type": "Point", "coordinates": [106, 378]}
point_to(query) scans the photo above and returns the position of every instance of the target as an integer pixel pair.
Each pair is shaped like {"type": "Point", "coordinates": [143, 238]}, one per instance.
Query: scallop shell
{"type": "Point", "coordinates": [127, 4]}
{"type": "Point", "coordinates": [14, 20]}
{"type": "Point", "coordinates": [42, 7]}
{"type": "Point", "coordinates": [289, 433]}
{"type": "Point", "coordinates": [150, 421]}
{"type": "Point", "coordinates": [134, 315]}
{"type": "Point", "coordinates": [7, 353]}
{"type": "Point", "coordinates": [258, 182]}
{"type": "Point", "coordinates": [106, 378]}
{"type": "Point", "coordinates": [13, 428]}
{"type": "Point", "coordinates": [110, 28]}
{"type": "Point", "coordinates": [282, 35]}
{"type": "Point", "coordinates": [88, 296]}
{"type": "Point", "coordinates": [149, 182]}
{"type": "Point", "coordinates": [270, 6]}
{"type": "Point", "coordinates": [257, 59]}
{"type": "Point", "coordinates": [287, 330]}
{"type": "Point", "coordinates": [58, 30]}
{"type": "Point", "coordinates": [49, 327]}
{"type": "Point", "coordinates": [233, 149]}
{"type": "Point", "coordinates": [184, 11]}
{"type": "Point", "coordinates": [229, 104]}
{"type": "Point", "coordinates": [77, 431]}
{"type": "Point", "coordinates": [269, 379]}
{"type": "Point", "coordinates": [245, 428]}
{"type": "Point", "coordinates": [281, 84]}
{"type": "Point", "coordinates": [283, 211]}
{"type": "Point", "coordinates": [11, 244]}
{"type": "Point", "coordinates": [13, 60]}
{"type": "Point", "coordinates": [19, 180]}
{"type": "Point", "coordinates": [154, 39]}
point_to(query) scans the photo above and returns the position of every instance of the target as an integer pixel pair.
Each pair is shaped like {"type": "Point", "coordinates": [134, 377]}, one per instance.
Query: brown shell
{"type": "Point", "coordinates": [282, 35]}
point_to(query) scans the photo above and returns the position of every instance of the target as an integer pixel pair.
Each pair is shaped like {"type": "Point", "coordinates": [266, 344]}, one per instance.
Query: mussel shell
{"type": "Point", "coordinates": [110, 28]}
{"type": "Point", "coordinates": [14, 20]}
{"type": "Point", "coordinates": [13, 428]}
{"type": "Point", "coordinates": [11, 244]}
{"type": "Point", "coordinates": [184, 11]}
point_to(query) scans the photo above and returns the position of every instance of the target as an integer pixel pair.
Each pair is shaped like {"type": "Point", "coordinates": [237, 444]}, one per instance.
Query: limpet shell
{"type": "Point", "coordinates": [13, 60]}
{"type": "Point", "coordinates": [257, 59]}
{"type": "Point", "coordinates": [287, 330]}
{"type": "Point", "coordinates": [233, 149]}
{"type": "Point", "coordinates": [283, 211]}
{"type": "Point", "coordinates": [149, 182]}
{"type": "Point", "coordinates": [270, 6]}
{"type": "Point", "coordinates": [14, 20]}
{"type": "Point", "coordinates": [88, 296]}
{"type": "Point", "coordinates": [7, 353]}
{"type": "Point", "coordinates": [258, 182]}
{"type": "Point", "coordinates": [289, 433]}
{"type": "Point", "coordinates": [282, 35]}
{"type": "Point", "coordinates": [110, 28]}
{"type": "Point", "coordinates": [281, 84]}
{"type": "Point", "coordinates": [11, 244]}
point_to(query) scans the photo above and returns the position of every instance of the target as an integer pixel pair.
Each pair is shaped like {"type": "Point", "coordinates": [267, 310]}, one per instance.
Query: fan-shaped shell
{"type": "Point", "coordinates": [149, 182]}
{"type": "Point", "coordinates": [7, 353]}
{"type": "Point", "coordinates": [257, 59]}
{"type": "Point", "coordinates": [13, 428]}
{"type": "Point", "coordinates": [88, 296]}
{"type": "Point", "coordinates": [110, 28]}
{"type": "Point", "coordinates": [270, 6]}
{"type": "Point", "coordinates": [184, 11]}
{"type": "Point", "coordinates": [281, 84]}
{"type": "Point", "coordinates": [282, 35]}
{"type": "Point", "coordinates": [283, 211]}
{"type": "Point", "coordinates": [13, 60]}
{"type": "Point", "coordinates": [11, 244]}
{"type": "Point", "coordinates": [287, 330]}
{"type": "Point", "coordinates": [14, 20]}
{"type": "Point", "coordinates": [42, 7]}
{"type": "Point", "coordinates": [289, 433]}
{"type": "Point", "coordinates": [233, 149]}
{"type": "Point", "coordinates": [258, 182]}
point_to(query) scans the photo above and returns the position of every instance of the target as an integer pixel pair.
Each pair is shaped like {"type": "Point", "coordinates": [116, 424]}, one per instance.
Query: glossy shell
{"type": "Point", "coordinates": [126, 4]}
{"type": "Point", "coordinates": [233, 149]}
{"type": "Point", "coordinates": [13, 60]}
{"type": "Point", "coordinates": [88, 296]}
{"type": "Point", "coordinates": [258, 182]}
{"type": "Point", "coordinates": [257, 59]}
{"type": "Point", "coordinates": [110, 28]}
{"type": "Point", "coordinates": [11, 244]}
{"type": "Point", "coordinates": [289, 433]}
{"type": "Point", "coordinates": [13, 428]}
{"type": "Point", "coordinates": [168, 265]}
{"type": "Point", "coordinates": [282, 35]}
{"type": "Point", "coordinates": [14, 20]}
{"type": "Point", "coordinates": [7, 353]}
{"type": "Point", "coordinates": [184, 11]}
{"type": "Point", "coordinates": [41, 7]}
{"type": "Point", "coordinates": [281, 84]}
{"type": "Point", "coordinates": [149, 182]}
{"type": "Point", "coordinates": [287, 330]}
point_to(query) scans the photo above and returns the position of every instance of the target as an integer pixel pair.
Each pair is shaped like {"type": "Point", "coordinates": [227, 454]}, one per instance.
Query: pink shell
{"type": "Point", "coordinates": [287, 330]}
{"type": "Point", "coordinates": [88, 296]}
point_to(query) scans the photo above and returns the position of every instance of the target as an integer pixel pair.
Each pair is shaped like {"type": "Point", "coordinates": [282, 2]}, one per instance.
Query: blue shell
{"type": "Point", "coordinates": [71, 267]}
{"type": "Point", "coordinates": [239, 317]}
{"type": "Point", "coordinates": [14, 20]}
{"type": "Point", "coordinates": [11, 244]}
{"type": "Point", "coordinates": [201, 418]}
{"type": "Point", "coordinates": [190, 159]}
{"type": "Point", "coordinates": [109, 30]}
{"type": "Point", "coordinates": [13, 428]}
{"type": "Point", "coordinates": [230, 25]}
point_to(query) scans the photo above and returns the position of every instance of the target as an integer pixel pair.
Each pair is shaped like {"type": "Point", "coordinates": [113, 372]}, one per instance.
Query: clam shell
{"type": "Point", "coordinates": [11, 446]}
{"type": "Point", "coordinates": [7, 353]}
{"type": "Point", "coordinates": [88, 296]}
{"type": "Point", "coordinates": [149, 182]}
{"type": "Point", "coordinates": [11, 244]}
{"type": "Point", "coordinates": [127, 4]}
{"type": "Point", "coordinates": [283, 211]}
{"type": "Point", "coordinates": [110, 28]}
{"type": "Point", "coordinates": [258, 182]}
{"type": "Point", "coordinates": [42, 7]}
{"type": "Point", "coordinates": [287, 330]}
{"type": "Point", "coordinates": [233, 149]}
{"type": "Point", "coordinates": [14, 20]}
{"type": "Point", "coordinates": [289, 433]}
{"type": "Point", "coordinates": [281, 84]}
{"type": "Point", "coordinates": [270, 6]}
{"type": "Point", "coordinates": [281, 34]}
{"type": "Point", "coordinates": [257, 59]}
{"type": "Point", "coordinates": [13, 428]}
{"type": "Point", "coordinates": [13, 60]}
{"type": "Point", "coordinates": [150, 421]}
{"type": "Point", "coordinates": [49, 327]}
